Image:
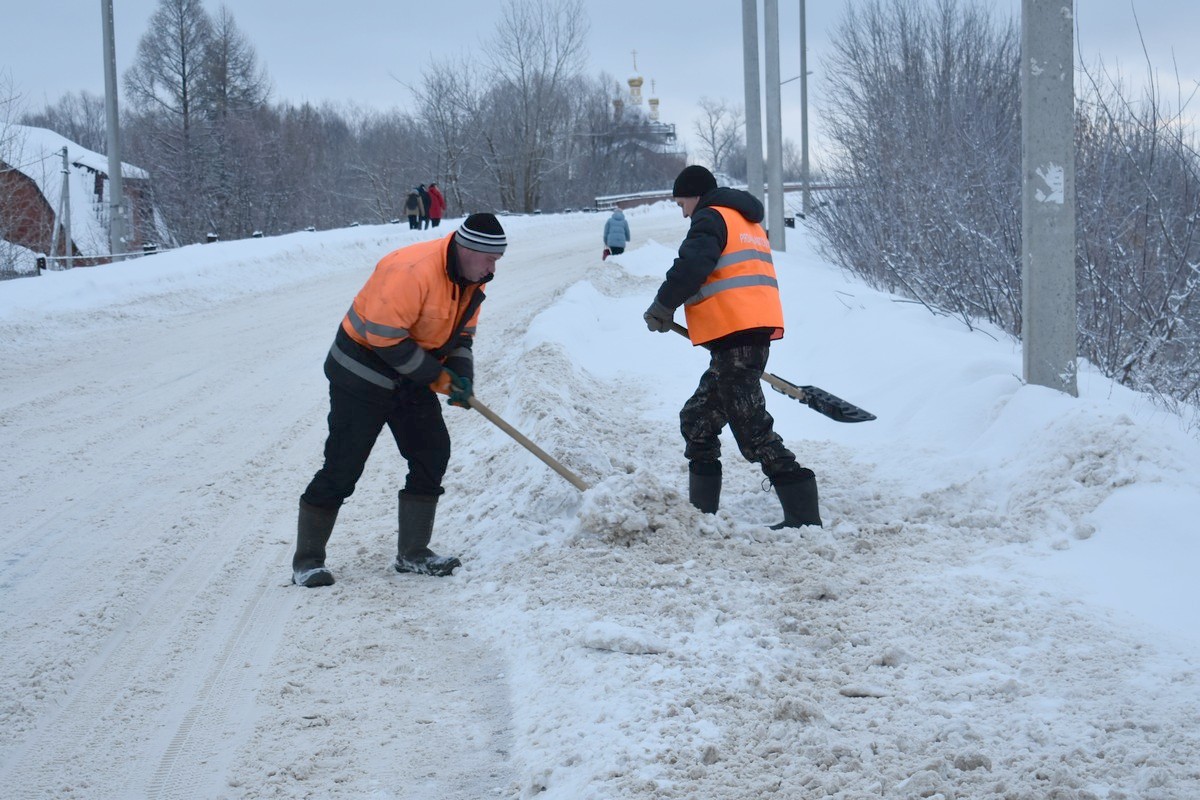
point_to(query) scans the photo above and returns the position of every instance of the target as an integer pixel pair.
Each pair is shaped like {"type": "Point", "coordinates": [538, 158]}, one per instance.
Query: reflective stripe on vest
{"type": "Point", "coordinates": [741, 292]}
{"type": "Point", "coordinates": [360, 369]}
{"type": "Point", "coordinates": [710, 289]}
{"type": "Point", "coordinates": [362, 327]}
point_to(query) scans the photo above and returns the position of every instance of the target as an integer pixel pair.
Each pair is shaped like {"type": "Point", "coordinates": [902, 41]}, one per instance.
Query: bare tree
{"type": "Point", "coordinates": [170, 131]}
{"type": "Point", "coordinates": [719, 130]}
{"type": "Point", "coordinates": [1139, 252]}
{"type": "Point", "coordinates": [167, 74]}
{"type": "Point", "coordinates": [384, 162]}
{"type": "Point", "coordinates": [232, 81]}
{"type": "Point", "coordinates": [449, 106]}
{"type": "Point", "coordinates": [924, 112]}
{"type": "Point", "coordinates": [232, 88]}
{"type": "Point", "coordinates": [79, 116]}
{"type": "Point", "coordinates": [537, 49]}
{"type": "Point", "coordinates": [924, 109]}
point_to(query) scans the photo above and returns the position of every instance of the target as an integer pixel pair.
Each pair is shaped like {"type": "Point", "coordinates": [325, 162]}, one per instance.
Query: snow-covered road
{"type": "Point", "coordinates": [937, 638]}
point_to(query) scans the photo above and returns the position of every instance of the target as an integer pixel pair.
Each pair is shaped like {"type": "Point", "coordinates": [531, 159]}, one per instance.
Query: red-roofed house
{"type": "Point", "coordinates": [31, 183]}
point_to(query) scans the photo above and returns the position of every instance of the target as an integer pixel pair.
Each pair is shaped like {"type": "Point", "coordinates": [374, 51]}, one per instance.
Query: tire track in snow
{"type": "Point", "coordinates": [144, 621]}
{"type": "Point", "coordinates": [175, 663]}
{"type": "Point", "coordinates": [95, 455]}
{"type": "Point", "coordinates": [195, 754]}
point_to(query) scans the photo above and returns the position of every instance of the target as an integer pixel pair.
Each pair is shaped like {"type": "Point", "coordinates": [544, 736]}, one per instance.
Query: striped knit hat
{"type": "Point", "coordinates": [482, 232]}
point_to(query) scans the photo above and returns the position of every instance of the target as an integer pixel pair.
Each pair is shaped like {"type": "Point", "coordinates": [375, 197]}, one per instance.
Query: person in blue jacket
{"type": "Point", "coordinates": [616, 233]}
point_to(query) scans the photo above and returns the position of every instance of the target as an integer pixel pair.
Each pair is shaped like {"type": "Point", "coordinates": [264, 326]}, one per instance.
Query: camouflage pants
{"type": "Point", "coordinates": [730, 392]}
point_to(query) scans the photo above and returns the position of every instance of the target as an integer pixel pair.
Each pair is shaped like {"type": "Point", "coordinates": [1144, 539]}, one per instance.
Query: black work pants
{"type": "Point", "coordinates": [414, 417]}
{"type": "Point", "coordinates": [730, 392]}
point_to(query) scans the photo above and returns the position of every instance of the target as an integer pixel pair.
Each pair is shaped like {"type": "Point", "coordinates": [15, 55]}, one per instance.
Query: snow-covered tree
{"type": "Point", "coordinates": [924, 110]}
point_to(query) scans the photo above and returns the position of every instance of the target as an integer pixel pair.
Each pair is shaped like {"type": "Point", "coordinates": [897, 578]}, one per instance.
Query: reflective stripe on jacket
{"type": "Point", "coordinates": [408, 318]}
{"type": "Point", "coordinates": [741, 292]}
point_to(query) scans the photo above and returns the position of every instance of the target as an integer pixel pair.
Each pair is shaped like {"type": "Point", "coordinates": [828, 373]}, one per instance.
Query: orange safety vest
{"type": "Point", "coordinates": [409, 295]}
{"type": "Point", "coordinates": [742, 292]}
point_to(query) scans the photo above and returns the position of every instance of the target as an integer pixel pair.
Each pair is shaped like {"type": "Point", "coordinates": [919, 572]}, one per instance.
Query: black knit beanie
{"type": "Point", "coordinates": [694, 181]}
{"type": "Point", "coordinates": [482, 232]}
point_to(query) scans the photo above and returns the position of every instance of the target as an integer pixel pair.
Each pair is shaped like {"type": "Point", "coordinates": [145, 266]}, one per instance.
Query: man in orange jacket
{"type": "Point", "coordinates": [408, 334]}
{"type": "Point", "coordinates": [725, 280]}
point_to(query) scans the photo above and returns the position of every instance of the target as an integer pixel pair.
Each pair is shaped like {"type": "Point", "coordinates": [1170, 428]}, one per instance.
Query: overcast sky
{"type": "Point", "coordinates": [361, 50]}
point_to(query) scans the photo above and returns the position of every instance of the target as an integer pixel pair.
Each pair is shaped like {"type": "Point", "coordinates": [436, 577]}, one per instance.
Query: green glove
{"type": "Point", "coordinates": [460, 391]}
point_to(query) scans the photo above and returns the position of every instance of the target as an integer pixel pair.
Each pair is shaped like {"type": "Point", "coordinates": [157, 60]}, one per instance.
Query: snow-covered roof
{"type": "Point", "coordinates": [37, 154]}
{"type": "Point", "coordinates": [32, 146]}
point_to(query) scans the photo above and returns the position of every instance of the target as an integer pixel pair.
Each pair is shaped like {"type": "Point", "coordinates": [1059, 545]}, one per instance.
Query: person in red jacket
{"type": "Point", "coordinates": [437, 205]}
{"type": "Point", "coordinates": [408, 334]}
{"type": "Point", "coordinates": [725, 280]}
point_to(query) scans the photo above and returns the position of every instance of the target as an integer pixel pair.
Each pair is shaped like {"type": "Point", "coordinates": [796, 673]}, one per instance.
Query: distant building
{"type": "Point", "coordinates": [631, 123]}
{"type": "Point", "coordinates": [32, 215]}
{"type": "Point", "coordinates": [646, 150]}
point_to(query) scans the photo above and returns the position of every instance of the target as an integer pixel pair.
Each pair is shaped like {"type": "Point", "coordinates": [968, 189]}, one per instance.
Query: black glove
{"type": "Point", "coordinates": [658, 317]}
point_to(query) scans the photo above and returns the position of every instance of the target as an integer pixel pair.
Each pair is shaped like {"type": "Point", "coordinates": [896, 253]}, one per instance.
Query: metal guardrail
{"type": "Point", "coordinates": [634, 199]}
{"type": "Point", "coordinates": [43, 263]}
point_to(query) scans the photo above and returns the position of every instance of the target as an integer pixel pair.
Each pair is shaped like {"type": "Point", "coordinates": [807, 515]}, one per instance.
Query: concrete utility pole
{"type": "Point", "coordinates": [775, 210]}
{"type": "Point", "coordinates": [1048, 327]}
{"type": "Point", "coordinates": [63, 222]}
{"type": "Point", "coordinates": [754, 153]}
{"type": "Point", "coordinates": [116, 184]}
{"type": "Point", "coordinates": [807, 193]}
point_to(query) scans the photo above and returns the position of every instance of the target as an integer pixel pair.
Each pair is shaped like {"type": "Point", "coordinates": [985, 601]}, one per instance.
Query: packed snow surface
{"type": "Point", "coordinates": [1002, 603]}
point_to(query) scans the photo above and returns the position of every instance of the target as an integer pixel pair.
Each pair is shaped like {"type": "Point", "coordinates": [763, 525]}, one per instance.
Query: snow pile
{"type": "Point", "coordinates": [632, 508]}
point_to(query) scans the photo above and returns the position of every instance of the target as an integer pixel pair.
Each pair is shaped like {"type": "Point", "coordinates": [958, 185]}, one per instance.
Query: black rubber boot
{"type": "Point", "coordinates": [704, 485]}
{"type": "Point", "coordinates": [798, 496]}
{"type": "Point", "coordinates": [416, 529]}
{"type": "Point", "coordinates": [312, 534]}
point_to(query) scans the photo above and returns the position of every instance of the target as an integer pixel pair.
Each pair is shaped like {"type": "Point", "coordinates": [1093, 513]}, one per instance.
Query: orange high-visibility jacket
{"type": "Point", "coordinates": [405, 316]}
{"type": "Point", "coordinates": [741, 292]}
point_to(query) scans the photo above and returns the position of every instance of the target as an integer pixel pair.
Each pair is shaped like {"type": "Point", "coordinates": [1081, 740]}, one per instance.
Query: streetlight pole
{"type": "Point", "coordinates": [804, 179]}
{"type": "Point", "coordinates": [775, 210]}
{"type": "Point", "coordinates": [116, 184]}
{"type": "Point", "coordinates": [754, 154]}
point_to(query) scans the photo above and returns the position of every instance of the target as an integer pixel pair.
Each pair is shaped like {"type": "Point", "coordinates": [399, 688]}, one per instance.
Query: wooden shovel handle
{"type": "Point", "coordinates": [522, 440]}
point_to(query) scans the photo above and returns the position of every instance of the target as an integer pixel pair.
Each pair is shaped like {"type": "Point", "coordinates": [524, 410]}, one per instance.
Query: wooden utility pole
{"type": "Point", "coordinates": [63, 220]}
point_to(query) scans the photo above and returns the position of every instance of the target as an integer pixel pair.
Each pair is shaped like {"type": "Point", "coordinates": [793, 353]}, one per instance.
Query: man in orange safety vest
{"type": "Point", "coordinates": [725, 280]}
{"type": "Point", "coordinates": [407, 335]}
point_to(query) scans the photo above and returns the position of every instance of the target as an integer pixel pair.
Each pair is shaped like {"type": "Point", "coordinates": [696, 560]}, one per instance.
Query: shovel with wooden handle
{"type": "Point", "coordinates": [495, 419]}
{"type": "Point", "coordinates": [815, 398]}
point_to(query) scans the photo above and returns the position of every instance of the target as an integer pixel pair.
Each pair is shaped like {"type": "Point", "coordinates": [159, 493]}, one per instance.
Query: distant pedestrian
{"type": "Point", "coordinates": [616, 234]}
{"type": "Point", "coordinates": [424, 205]}
{"type": "Point", "coordinates": [437, 205]}
{"type": "Point", "coordinates": [414, 210]}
